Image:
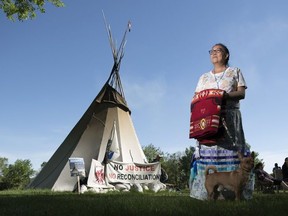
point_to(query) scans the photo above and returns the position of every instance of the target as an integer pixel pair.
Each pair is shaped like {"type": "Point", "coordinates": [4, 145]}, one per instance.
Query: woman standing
{"type": "Point", "coordinates": [223, 153]}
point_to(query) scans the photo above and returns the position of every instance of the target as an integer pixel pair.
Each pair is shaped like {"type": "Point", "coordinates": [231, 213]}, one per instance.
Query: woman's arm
{"type": "Point", "coordinates": [239, 94]}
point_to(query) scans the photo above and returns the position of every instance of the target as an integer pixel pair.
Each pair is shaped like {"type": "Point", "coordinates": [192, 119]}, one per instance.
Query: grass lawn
{"type": "Point", "coordinates": [41, 202]}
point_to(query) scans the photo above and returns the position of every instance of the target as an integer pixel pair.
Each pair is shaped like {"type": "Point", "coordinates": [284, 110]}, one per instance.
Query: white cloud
{"type": "Point", "coordinates": [145, 93]}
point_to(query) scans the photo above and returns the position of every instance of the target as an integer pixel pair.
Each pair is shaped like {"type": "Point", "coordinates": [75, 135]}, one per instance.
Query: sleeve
{"type": "Point", "coordinates": [240, 79]}
{"type": "Point", "coordinates": [199, 86]}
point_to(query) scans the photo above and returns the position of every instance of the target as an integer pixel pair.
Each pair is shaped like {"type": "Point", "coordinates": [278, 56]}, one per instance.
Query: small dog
{"type": "Point", "coordinates": [234, 180]}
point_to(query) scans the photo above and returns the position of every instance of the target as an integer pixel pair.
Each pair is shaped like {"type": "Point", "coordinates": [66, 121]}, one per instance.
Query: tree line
{"type": "Point", "coordinates": [176, 165]}
{"type": "Point", "coordinates": [15, 176]}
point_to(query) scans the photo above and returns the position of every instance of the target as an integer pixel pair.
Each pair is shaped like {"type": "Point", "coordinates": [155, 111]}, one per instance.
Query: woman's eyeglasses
{"type": "Point", "coordinates": [211, 52]}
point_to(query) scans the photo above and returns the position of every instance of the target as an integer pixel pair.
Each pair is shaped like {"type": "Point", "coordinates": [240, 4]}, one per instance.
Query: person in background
{"type": "Point", "coordinates": [223, 154]}
{"type": "Point", "coordinates": [285, 170]}
{"type": "Point", "coordinates": [164, 175]}
{"type": "Point", "coordinates": [157, 158]}
{"type": "Point", "coordinates": [277, 172]}
{"type": "Point", "coordinates": [267, 179]}
{"type": "Point", "coordinates": [276, 168]}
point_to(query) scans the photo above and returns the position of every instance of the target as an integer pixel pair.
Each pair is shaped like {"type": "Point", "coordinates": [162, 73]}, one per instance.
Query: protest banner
{"type": "Point", "coordinates": [133, 172]}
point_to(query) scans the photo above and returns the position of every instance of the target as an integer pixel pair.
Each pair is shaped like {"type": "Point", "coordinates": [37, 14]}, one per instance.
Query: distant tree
{"type": "Point", "coordinates": [257, 159]}
{"type": "Point", "coordinates": [43, 164]}
{"type": "Point", "coordinates": [39, 170]}
{"type": "Point", "coordinates": [24, 9]}
{"type": "Point", "coordinates": [173, 168]}
{"type": "Point", "coordinates": [185, 162]}
{"type": "Point", "coordinates": [3, 166]}
{"type": "Point", "coordinates": [151, 152]}
{"type": "Point", "coordinates": [17, 175]}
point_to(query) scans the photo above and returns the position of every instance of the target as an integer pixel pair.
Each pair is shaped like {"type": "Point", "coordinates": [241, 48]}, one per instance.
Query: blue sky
{"type": "Point", "coordinates": [52, 68]}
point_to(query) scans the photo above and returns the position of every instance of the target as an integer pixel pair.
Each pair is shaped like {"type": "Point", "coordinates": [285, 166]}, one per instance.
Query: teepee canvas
{"type": "Point", "coordinates": [107, 119]}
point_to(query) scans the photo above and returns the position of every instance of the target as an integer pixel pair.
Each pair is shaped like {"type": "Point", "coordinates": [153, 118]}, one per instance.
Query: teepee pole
{"type": "Point", "coordinates": [110, 37]}
{"type": "Point", "coordinates": [118, 54]}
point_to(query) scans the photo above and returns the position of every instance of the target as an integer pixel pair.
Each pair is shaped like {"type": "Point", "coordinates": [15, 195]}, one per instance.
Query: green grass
{"type": "Point", "coordinates": [41, 202]}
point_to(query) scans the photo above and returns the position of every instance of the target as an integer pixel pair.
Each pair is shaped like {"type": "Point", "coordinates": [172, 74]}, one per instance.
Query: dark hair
{"type": "Point", "coordinates": [226, 51]}
{"type": "Point", "coordinates": [258, 165]}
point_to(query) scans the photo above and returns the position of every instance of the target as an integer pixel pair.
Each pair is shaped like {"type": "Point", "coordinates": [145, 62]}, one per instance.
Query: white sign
{"type": "Point", "coordinates": [96, 175]}
{"type": "Point", "coordinates": [132, 172]}
{"type": "Point", "coordinates": [77, 167]}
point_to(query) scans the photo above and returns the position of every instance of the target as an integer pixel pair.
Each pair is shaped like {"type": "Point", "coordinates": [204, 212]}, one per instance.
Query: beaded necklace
{"type": "Point", "coordinates": [217, 79]}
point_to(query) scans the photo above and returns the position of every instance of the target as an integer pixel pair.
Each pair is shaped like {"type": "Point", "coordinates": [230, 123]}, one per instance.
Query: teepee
{"type": "Point", "coordinates": [89, 138]}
